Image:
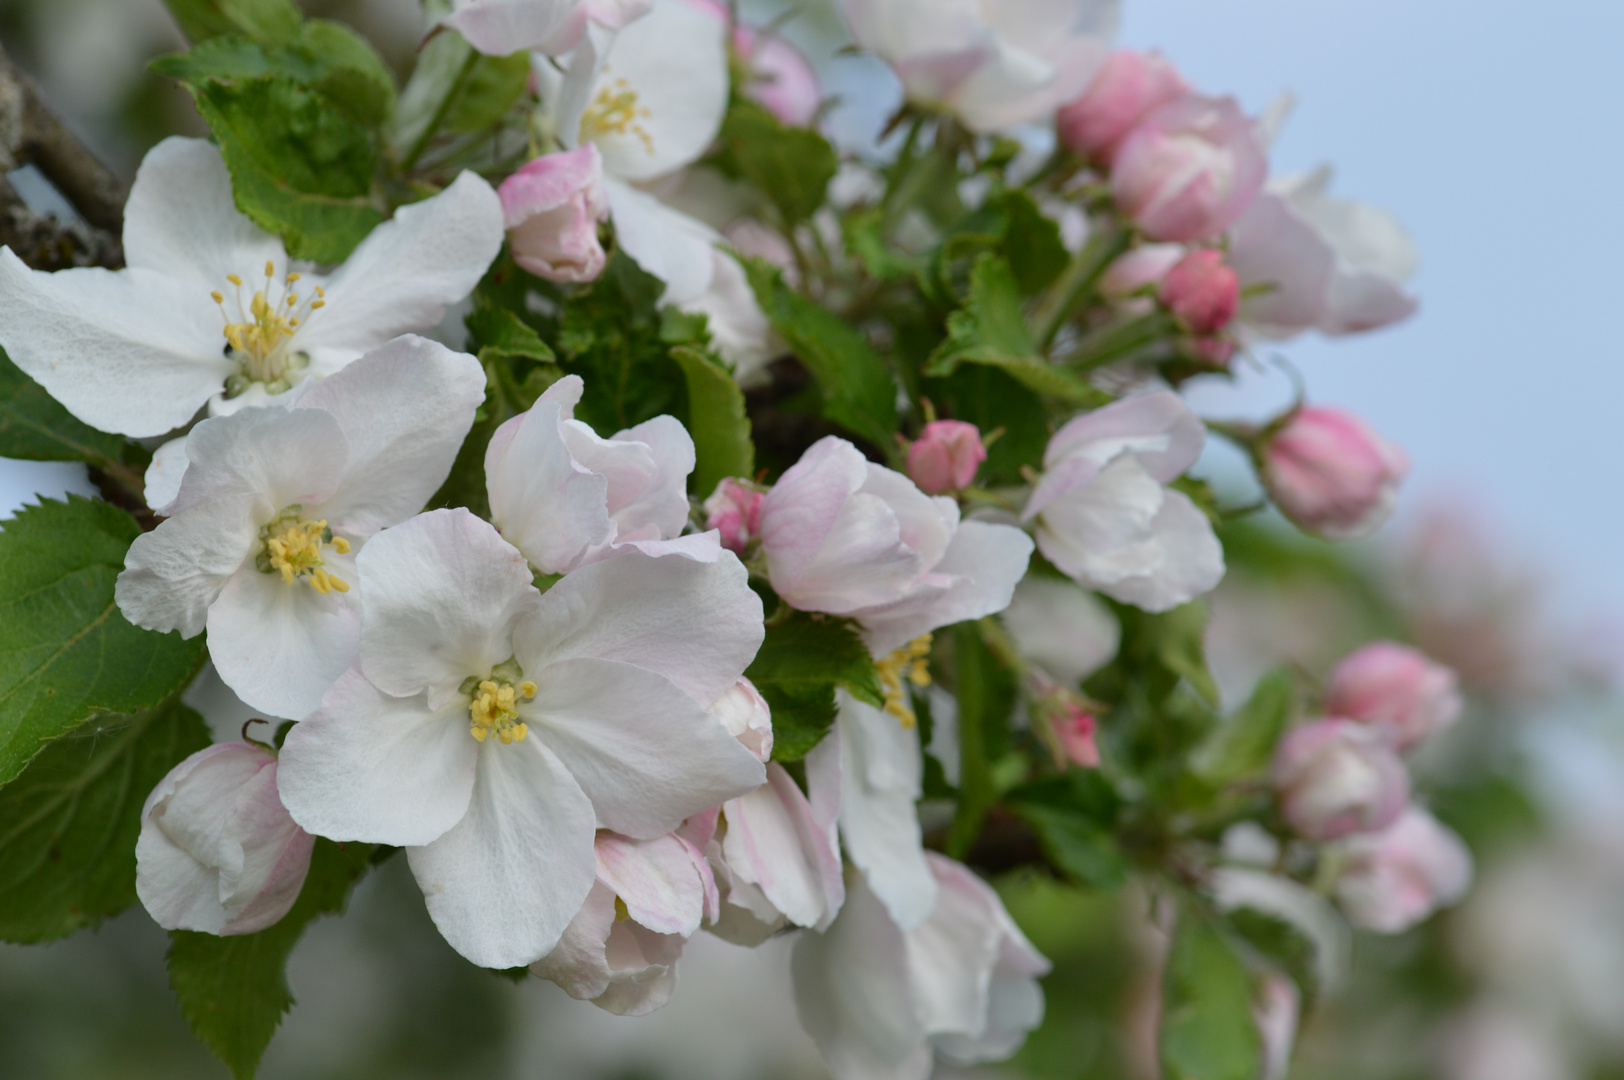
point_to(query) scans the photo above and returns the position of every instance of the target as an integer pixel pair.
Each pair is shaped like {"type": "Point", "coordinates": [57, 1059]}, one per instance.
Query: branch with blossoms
{"type": "Point", "coordinates": [653, 519]}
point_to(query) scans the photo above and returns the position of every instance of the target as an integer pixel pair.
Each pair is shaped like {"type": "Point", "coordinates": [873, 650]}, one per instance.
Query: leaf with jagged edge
{"type": "Point", "coordinates": [716, 420]}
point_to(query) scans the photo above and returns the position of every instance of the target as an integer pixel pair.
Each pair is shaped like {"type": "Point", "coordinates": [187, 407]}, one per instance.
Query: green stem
{"type": "Point", "coordinates": [433, 126]}
{"type": "Point", "coordinates": [1076, 283]}
{"type": "Point", "coordinates": [1119, 339]}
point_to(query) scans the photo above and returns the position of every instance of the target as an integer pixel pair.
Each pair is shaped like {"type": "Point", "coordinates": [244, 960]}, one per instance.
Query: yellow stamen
{"type": "Point", "coordinates": [614, 111]}
{"type": "Point", "coordinates": [235, 280]}
{"type": "Point", "coordinates": [292, 548]}
{"type": "Point", "coordinates": [908, 663]}
{"type": "Point", "coordinates": [219, 298]}
{"type": "Point", "coordinates": [262, 329]}
{"type": "Point", "coordinates": [293, 276]}
{"type": "Point", "coordinates": [494, 710]}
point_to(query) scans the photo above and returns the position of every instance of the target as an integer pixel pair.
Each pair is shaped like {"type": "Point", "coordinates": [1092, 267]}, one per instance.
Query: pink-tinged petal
{"type": "Point", "coordinates": [655, 879]}
{"type": "Point", "coordinates": [503, 884]}
{"type": "Point", "coordinates": [646, 754]}
{"type": "Point", "coordinates": [950, 953]}
{"type": "Point", "coordinates": [657, 507]}
{"type": "Point", "coordinates": [269, 858]}
{"type": "Point", "coordinates": [1157, 427]}
{"type": "Point", "coordinates": [774, 842]}
{"type": "Point", "coordinates": [440, 596]}
{"type": "Point", "coordinates": [1337, 777]}
{"type": "Point", "coordinates": [645, 964]}
{"type": "Point", "coordinates": [747, 717]}
{"type": "Point", "coordinates": [1190, 169]}
{"type": "Point", "coordinates": [1397, 689]}
{"type": "Point", "coordinates": [983, 563]}
{"type": "Point", "coordinates": [577, 963]}
{"type": "Point", "coordinates": [1393, 879]}
{"type": "Point", "coordinates": [697, 624]}
{"type": "Point", "coordinates": [1104, 532]}
{"type": "Point", "coordinates": [543, 502]}
{"type": "Point", "coordinates": [546, 183]}
{"type": "Point", "coordinates": [699, 547]}
{"type": "Point", "coordinates": [504, 27]}
{"type": "Point", "coordinates": [1274, 246]}
{"type": "Point", "coordinates": [175, 572]}
{"type": "Point", "coordinates": [384, 770]}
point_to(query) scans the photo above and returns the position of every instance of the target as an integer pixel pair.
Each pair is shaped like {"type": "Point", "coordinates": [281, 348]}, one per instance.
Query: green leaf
{"type": "Point", "coordinates": [488, 91]}
{"type": "Point", "coordinates": [716, 420]}
{"type": "Point", "coordinates": [68, 823]}
{"type": "Point", "coordinates": [992, 400]}
{"type": "Point", "coordinates": [299, 168]}
{"type": "Point", "coordinates": [985, 690]}
{"type": "Point", "coordinates": [801, 662]}
{"type": "Point", "coordinates": [502, 333]}
{"type": "Point", "coordinates": [233, 991]}
{"type": "Point", "coordinates": [275, 21]}
{"type": "Point", "coordinates": [1243, 746]}
{"type": "Point", "coordinates": [1181, 647]}
{"type": "Point", "coordinates": [1207, 1030]}
{"type": "Point", "coordinates": [35, 427]}
{"type": "Point", "coordinates": [858, 392]}
{"type": "Point", "coordinates": [1283, 944]}
{"type": "Point", "coordinates": [354, 76]}
{"type": "Point", "coordinates": [792, 166]}
{"type": "Point", "coordinates": [66, 654]}
{"type": "Point", "coordinates": [1031, 243]}
{"type": "Point", "coordinates": [802, 716]}
{"type": "Point", "coordinates": [1080, 847]}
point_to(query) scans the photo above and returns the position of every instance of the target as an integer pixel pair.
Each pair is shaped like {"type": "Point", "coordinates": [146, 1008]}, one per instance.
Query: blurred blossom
{"type": "Point", "coordinates": [1491, 1041]}
{"type": "Point", "coordinates": [1338, 777]}
{"type": "Point", "coordinates": [1190, 169]}
{"type": "Point", "coordinates": [1276, 1010]}
{"type": "Point", "coordinates": [781, 78]}
{"type": "Point", "coordinates": [1074, 729]}
{"type": "Point", "coordinates": [1201, 290]}
{"type": "Point", "coordinates": [945, 457]}
{"type": "Point", "coordinates": [1391, 880]}
{"type": "Point", "coordinates": [1331, 474]}
{"type": "Point", "coordinates": [1062, 628]}
{"type": "Point", "coordinates": [1129, 86]}
{"type": "Point", "coordinates": [554, 27]}
{"type": "Point", "coordinates": [551, 208]}
{"type": "Point", "coordinates": [1146, 264]}
{"type": "Point", "coordinates": [1397, 689]}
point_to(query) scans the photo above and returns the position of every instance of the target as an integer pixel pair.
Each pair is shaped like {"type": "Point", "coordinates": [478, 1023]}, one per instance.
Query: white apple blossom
{"type": "Point", "coordinates": [1062, 629]}
{"type": "Point", "coordinates": [490, 728]}
{"type": "Point", "coordinates": [210, 311]}
{"type": "Point", "coordinates": [1105, 515]}
{"type": "Point", "coordinates": [566, 497]}
{"type": "Point", "coordinates": [554, 27]}
{"type": "Point", "coordinates": [260, 544]}
{"type": "Point", "coordinates": [882, 1002]}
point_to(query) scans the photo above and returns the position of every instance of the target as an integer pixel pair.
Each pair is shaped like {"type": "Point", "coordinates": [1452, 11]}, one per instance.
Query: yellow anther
{"type": "Point", "coordinates": [235, 280]}
{"type": "Point", "coordinates": [218, 298]}
{"type": "Point", "coordinates": [341, 545]}
{"type": "Point", "coordinates": [260, 333]}
{"type": "Point", "coordinates": [292, 548]}
{"type": "Point", "coordinates": [527, 688]}
{"type": "Point", "coordinates": [270, 268]}
{"type": "Point", "coordinates": [910, 663]}
{"type": "Point", "coordinates": [318, 304]}
{"type": "Point", "coordinates": [614, 111]}
{"type": "Point", "coordinates": [320, 291]}
{"type": "Point", "coordinates": [494, 710]}
{"type": "Point", "coordinates": [292, 298]}
{"type": "Point", "coordinates": [293, 276]}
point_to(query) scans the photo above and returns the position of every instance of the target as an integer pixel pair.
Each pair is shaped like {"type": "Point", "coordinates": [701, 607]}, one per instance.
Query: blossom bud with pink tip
{"type": "Point", "coordinates": [1331, 475]}
{"type": "Point", "coordinates": [946, 456]}
{"type": "Point", "coordinates": [1393, 879]}
{"type": "Point", "coordinates": [1397, 689]}
{"type": "Point", "coordinates": [217, 850]}
{"type": "Point", "coordinates": [734, 511]}
{"type": "Point", "coordinates": [551, 208]}
{"type": "Point", "coordinates": [1190, 169]}
{"type": "Point", "coordinates": [1337, 777]}
{"type": "Point", "coordinates": [1074, 729]}
{"type": "Point", "coordinates": [781, 77]}
{"type": "Point", "coordinates": [1129, 86]}
{"type": "Point", "coordinates": [1203, 291]}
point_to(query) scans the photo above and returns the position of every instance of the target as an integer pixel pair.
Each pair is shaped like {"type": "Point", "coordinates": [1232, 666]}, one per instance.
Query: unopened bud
{"type": "Point", "coordinates": [1202, 291]}
{"type": "Point", "coordinates": [946, 456]}
{"type": "Point", "coordinates": [1332, 475]}
{"type": "Point", "coordinates": [1397, 689]}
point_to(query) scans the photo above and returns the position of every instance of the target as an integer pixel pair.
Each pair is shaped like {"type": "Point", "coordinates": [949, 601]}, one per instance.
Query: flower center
{"type": "Point", "coordinates": [292, 548]}
{"type": "Point", "coordinates": [905, 664]}
{"type": "Point", "coordinates": [258, 338]}
{"type": "Point", "coordinates": [614, 111]}
{"type": "Point", "coordinates": [493, 705]}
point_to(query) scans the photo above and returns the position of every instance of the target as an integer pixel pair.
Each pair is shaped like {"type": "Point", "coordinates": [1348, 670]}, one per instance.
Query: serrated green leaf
{"type": "Point", "coordinates": [801, 662]}
{"type": "Point", "coordinates": [1207, 1030]}
{"type": "Point", "coordinates": [802, 716]}
{"type": "Point", "coordinates": [69, 822]}
{"type": "Point", "coordinates": [233, 991]}
{"type": "Point", "coordinates": [275, 21]}
{"type": "Point", "coordinates": [298, 167]}
{"type": "Point", "coordinates": [716, 420]}
{"type": "Point", "coordinates": [1244, 744]}
{"type": "Point", "coordinates": [504, 333]}
{"type": "Point", "coordinates": [858, 392]}
{"type": "Point", "coordinates": [233, 57]}
{"type": "Point", "coordinates": [792, 166]}
{"type": "Point", "coordinates": [355, 77]}
{"type": "Point", "coordinates": [1080, 847]}
{"type": "Point", "coordinates": [35, 427]}
{"type": "Point", "coordinates": [1031, 243]}
{"type": "Point", "coordinates": [66, 654]}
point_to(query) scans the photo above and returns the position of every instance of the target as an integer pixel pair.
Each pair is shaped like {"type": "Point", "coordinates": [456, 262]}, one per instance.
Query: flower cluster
{"type": "Point", "coordinates": [618, 653]}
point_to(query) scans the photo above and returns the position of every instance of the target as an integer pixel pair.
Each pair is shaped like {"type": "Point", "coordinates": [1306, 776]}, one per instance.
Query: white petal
{"type": "Point", "coordinates": [542, 502]}
{"type": "Point", "coordinates": [375, 768]}
{"type": "Point", "coordinates": [881, 773]}
{"type": "Point", "coordinates": [130, 351]}
{"type": "Point", "coordinates": [280, 457]}
{"type": "Point", "coordinates": [280, 646]}
{"type": "Point", "coordinates": [983, 563]}
{"type": "Point", "coordinates": [182, 221]}
{"type": "Point", "coordinates": [774, 841]}
{"type": "Point", "coordinates": [644, 752]}
{"type": "Point", "coordinates": [503, 27]}
{"type": "Point", "coordinates": [164, 474]}
{"type": "Point", "coordinates": [1104, 532]}
{"type": "Point", "coordinates": [403, 275]}
{"type": "Point", "coordinates": [405, 408]}
{"type": "Point", "coordinates": [656, 880]}
{"type": "Point", "coordinates": [577, 963]}
{"type": "Point", "coordinates": [665, 242]}
{"type": "Point", "coordinates": [951, 954]}
{"type": "Point", "coordinates": [1192, 560]}
{"type": "Point", "coordinates": [1275, 246]}
{"type": "Point", "coordinates": [645, 966]}
{"type": "Point", "coordinates": [656, 509]}
{"type": "Point", "coordinates": [698, 624]}
{"type": "Point", "coordinates": [440, 596]}
{"type": "Point", "coordinates": [507, 879]}
{"type": "Point", "coordinates": [1157, 427]}
{"type": "Point", "coordinates": [1063, 629]}
{"type": "Point", "coordinates": [175, 572]}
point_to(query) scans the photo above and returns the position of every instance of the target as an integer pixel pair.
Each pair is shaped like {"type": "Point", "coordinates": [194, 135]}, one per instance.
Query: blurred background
{"type": "Point", "coordinates": [1490, 129]}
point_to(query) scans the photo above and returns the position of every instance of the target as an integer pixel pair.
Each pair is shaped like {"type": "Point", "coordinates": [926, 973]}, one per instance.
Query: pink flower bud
{"type": "Point", "coordinates": [747, 717]}
{"type": "Point", "coordinates": [1336, 777]}
{"type": "Point", "coordinates": [1129, 87]}
{"type": "Point", "coordinates": [734, 511]}
{"type": "Point", "coordinates": [1332, 475]}
{"type": "Point", "coordinates": [217, 850]}
{"type": "Point", "coordinates": [1203, 291]}
{"type": "Point", "coordinates": [551, 208]}
{"type": "Point", "coordinates": [946, 456]}
{"type": "Point", "coordinates": [1190, 169]}
{"type": "Point", "coordinates": [1075, 729]}
{"type": "Point", "coordinates": [781, 78]}
{"type": "Point", "coordinates": [1397, 689]}
{"type": "Point", "coordinates": [1393, 879]}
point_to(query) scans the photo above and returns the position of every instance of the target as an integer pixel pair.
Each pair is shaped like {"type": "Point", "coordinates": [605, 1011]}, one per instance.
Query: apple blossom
{"type": "Point", "coordinates": [1276, 1011]}
{"type": "Point", "coordinates": [210, 311]}
{"type": "Point", "coordinates": [1336, 777]}
{"type": "Point", "coordinates": [734, 510]}
{"type": "Point", "coordinates": [1105, 515]}
{"type": "Point", "coordinates": [1061, 629]}
{"type": "Point", "coordinates": [566, 497]}
{"type": "Point", "coordinates": [490, 728]}
{"type": "Point", "coordinates": [1332, 475]}
{"type": "Point", "coordinates": [848, 537]}
{"type": "Point", "coordinates": [1397, 689]}
{"type": "Point", "coordinates": [781, 79]}
{"type": "Point", "coordinates": [1329, 264]}
{"type": "Point", "coordinates": [551, 208]}
{"type": "Point", "coordinates": [994, 66]}
{"type": "Point", "coordinates": [1202, 291]}
{"type": "Point", "coordinates": [554, 27]}
{"type": "Point", "coordinates": [1189, 170]}
{"type": "Point", "coordinates": [945, 457]}
{"type": "Point", "coordinates": [1391, 880]}
{"type": "Point", "coordinates": [259, 547]}
{"type": "Point", "coordinates": [882, 1002]}
{"type": "Point", "coordinates": [217, 851]}
{"type": "Point", "coordinates": [1129, 86]}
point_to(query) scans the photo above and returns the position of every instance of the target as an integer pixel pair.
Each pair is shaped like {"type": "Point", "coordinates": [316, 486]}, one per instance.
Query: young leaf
{"type": "Point", "coordinates": [68, 823]}
{"type": "Point", "coordinates": [1207, 1030]}
{"type": "Point", "coordinates": [233, 991]}
{"type": "Point", "coordinates": [802, 716]}
{"type": "Point", "coordinates": [858, 392]}
{"type": "Point", "coordinates": [502, 333]}
{"type": "Point", "coordinates": [66, 654]}
{"type": "Point", "coordinates": [1031, 243]}
{"type": "Point", "coordinates": [35, 427]}
{"type": "Point", "coordinates": [354, 77]}
{"type": "Point", "coordinates": [1081, 848]}
{"type": "Point", "coordinates": [986, 698]}
{"type": "Point", "coordinates": [792, 166]}
{"type": "Point", "coordinates": [801, 662]}
{"type": "Point", "coordinates": [298, 167]}
{"type": "Point", "coordinates": [1180, 637]}
{"type": "Point", "coordinates": [488, 91]}
{"type": "Point", "coordinates": [275, 21]}
{"type": "Point", "coordinates": [1243, 745]}
{"type": "Point", "coordinates": [717, 421]}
